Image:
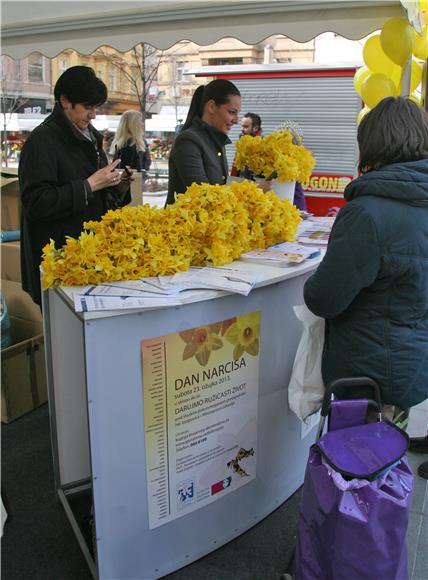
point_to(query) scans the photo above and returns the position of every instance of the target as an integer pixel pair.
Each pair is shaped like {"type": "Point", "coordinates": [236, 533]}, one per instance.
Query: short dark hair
{"type": "Point", "coordinates": [79, 84]}
{"type": "Point", "coordinates": [218, 90]}
{"type": "Point", "coordinates": [396, 130]}
{"type": "Point", "coordinates": [255, 119]}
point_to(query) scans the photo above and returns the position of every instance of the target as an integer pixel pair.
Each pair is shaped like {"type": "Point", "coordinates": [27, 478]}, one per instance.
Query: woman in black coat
{"type": "Point", "coordinates": [198, 154]}
{"type": "Point", "coordinates": [129, 144]}
{"type": "Point", "coordinates": [64, 175]}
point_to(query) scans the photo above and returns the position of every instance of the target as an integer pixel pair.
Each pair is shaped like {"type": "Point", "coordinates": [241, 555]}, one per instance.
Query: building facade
{"type": "Point", "coordinates": [113, 67]}
{"type": "Point", "coordinates": [26, 85]}
{"type": "Point", "coordinates": [143, 78]}
{"type": "Point", "coordinates": [176, 87]}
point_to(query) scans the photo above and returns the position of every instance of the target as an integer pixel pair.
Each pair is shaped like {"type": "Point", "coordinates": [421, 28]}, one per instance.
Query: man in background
{"type": "Point", "coordinates": [251, 124]}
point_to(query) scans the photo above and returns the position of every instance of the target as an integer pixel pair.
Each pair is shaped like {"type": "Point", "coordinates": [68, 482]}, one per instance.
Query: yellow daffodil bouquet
{"type": "Point", "coordinates": [274, 157]}
{"type": "Point", "coordinates": [208, 225]}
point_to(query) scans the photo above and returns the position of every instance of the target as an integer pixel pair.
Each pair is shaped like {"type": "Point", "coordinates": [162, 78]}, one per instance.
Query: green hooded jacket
{"type": "Point", "coordinates": [372, 285]}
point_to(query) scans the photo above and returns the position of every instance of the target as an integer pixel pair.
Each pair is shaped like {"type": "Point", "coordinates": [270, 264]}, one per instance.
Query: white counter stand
{"type": "Point", "coordinates": [97, 422]}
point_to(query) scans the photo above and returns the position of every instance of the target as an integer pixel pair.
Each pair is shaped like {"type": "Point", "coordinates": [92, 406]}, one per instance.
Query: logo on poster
{"type": "Point", "coordinates": [185, 493]}
{"type": "Point", "coordinates": [221, 485]}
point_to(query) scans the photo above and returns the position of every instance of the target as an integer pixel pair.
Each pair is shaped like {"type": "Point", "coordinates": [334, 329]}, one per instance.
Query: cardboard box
{"type": "Point", "coordinates": [23, 371]}
{"type": "Point", "coordinates": [10, 261]}
{"type": "Point", "coordinates": [10, 200]}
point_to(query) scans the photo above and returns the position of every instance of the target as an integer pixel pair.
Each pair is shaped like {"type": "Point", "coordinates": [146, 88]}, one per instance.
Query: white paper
{"type": "Point", "coordinates": [161, 290]}
{"type": "Point", "coordinates": [293, 248]}
{"type": "Point", "coordinates": [143, 287]}
{"type": "Point", "coordinates": [316, 231]}
{"type": "Point", "coordinates": [97, 303]}
{"type": "Point", "coordinates": [121, 292]}
{"type": "Point", "coordinates": [229, 279]}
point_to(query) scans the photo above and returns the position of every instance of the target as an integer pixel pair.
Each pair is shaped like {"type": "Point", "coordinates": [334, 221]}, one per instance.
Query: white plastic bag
{"type": "Point", "coordinates": [306, 387]}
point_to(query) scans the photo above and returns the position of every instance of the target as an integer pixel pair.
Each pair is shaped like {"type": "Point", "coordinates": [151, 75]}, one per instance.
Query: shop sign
{"type": "Point", "coordinates": [327, 182]}
{"type": "Point", "coordinates": [33, 107]}
{"type": "Point", "coordinates": [200, 389]}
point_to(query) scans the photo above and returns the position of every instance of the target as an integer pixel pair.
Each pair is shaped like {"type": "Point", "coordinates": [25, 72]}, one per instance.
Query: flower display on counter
{"type": "Point", "coordinates": [274, 157]}
{"type": "Point", "coordinates": [208, 225]}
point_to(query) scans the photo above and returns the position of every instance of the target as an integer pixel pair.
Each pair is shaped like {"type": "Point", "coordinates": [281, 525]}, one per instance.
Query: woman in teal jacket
{"type": "Point", "coordinates": [372, 285]}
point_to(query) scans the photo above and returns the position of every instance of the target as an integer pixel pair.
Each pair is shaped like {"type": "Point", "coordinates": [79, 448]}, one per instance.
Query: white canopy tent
{"type": "Point", "coordinates": [50, 27]}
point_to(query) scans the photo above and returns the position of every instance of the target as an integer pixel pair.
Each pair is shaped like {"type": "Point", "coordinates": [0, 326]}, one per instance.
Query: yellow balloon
{"type": "Point", "coordinates": [362, 114]}
{"type": "Point", "coordinates": [397, 40]}
{"type": "Point", "coordinates": [375, 88]}
{"type": "Point", "coordinates": [420, 48]}
{"type": "Point", "coordinates": [415, 75]}
{"type": "Point", "coordinates": [359, 77]}
{"type": "Point", "coordinates": [375, 58]}
{"type": "Point", "coordinates": [395, 76]}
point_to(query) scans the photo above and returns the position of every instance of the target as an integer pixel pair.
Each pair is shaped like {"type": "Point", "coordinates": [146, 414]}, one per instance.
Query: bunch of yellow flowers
{"type": "Point", "coordinates": [208, 225]}
{"type": "Point", "coordinates": [274, 157]}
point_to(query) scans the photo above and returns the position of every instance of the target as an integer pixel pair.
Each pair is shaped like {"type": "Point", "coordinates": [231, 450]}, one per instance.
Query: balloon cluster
{"type": "Point", "coordinates": [386, 55]}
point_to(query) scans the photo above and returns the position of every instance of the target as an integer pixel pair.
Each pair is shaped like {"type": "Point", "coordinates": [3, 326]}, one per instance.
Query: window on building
{"type": "Point", "coordinates": [62, 65]}
{"type": "Point", "coordinates": [18, 70]}
{"type": "Point", "coordinates": [179, 71]}
{"type": "Point", "coordinates": [35, 68]}
{"type": "Point", "coordinates": [122, 81]}
{"type": "Point", "coordinates": [112, 78]}
{"type": "Point", "coordinates": [220, 61]}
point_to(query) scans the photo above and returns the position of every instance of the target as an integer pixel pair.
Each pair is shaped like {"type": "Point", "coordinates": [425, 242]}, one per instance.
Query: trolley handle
{"type": "Point", "coordinates": [350, 383]}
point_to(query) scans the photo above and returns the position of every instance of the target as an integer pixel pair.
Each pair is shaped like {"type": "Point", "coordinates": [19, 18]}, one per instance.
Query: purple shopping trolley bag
{"type": "Point", "coordinates": [356, 496]}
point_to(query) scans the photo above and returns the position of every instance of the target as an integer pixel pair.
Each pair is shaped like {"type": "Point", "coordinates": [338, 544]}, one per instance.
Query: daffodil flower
{"type": "Point", "coordinates": [274, 157]}
{"type": "Point", "coordinates": [208, 225]}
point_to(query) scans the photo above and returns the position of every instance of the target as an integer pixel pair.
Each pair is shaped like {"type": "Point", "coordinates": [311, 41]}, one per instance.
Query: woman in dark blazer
{"type": "Point", "coordinates": [198, 154]}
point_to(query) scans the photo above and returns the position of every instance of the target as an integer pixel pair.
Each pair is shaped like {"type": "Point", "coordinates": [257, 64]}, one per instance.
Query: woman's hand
{"type": "Point", "coordinates": [108, 176]}
{"type": "Point", "coordinates": [264, 185]}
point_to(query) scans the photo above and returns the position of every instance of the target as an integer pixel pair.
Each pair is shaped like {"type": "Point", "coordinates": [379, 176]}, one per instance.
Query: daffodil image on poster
{"type": "Point", "coordinates": [244, 334]}
{"type": "Point", "coordinates": [201, 341]}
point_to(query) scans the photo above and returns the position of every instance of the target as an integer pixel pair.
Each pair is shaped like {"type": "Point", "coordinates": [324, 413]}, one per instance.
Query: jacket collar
{"type": "Point", "coordinates": [59, 117]}
{"type": "Point", "coordinates": [405, 182]}
{"type": "Point", "coordinates": [219, 138]}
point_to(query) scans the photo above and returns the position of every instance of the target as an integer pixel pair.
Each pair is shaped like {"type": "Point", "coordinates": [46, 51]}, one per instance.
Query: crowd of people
{"type": "Point", "coordinates": [371, 286]}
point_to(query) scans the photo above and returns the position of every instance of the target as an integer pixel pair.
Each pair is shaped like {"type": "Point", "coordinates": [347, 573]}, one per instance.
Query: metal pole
{"type": "Point", "coordinates": [405, 79]}
{"type": "Point", "coordinates": [425, 85]}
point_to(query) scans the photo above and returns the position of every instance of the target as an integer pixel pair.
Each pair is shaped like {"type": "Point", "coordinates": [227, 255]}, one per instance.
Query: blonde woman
{"type": "Point", "coordinates": [129, 144]}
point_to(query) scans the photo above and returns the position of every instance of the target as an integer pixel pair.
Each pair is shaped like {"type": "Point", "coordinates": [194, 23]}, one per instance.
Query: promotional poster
{"type": "Point", "coordinates": [200, 414]}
